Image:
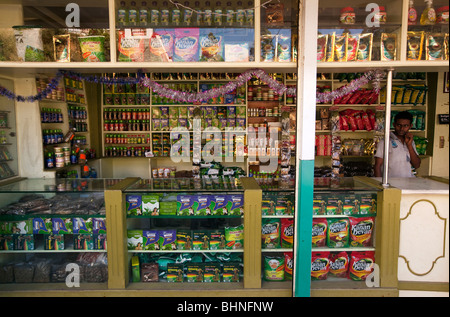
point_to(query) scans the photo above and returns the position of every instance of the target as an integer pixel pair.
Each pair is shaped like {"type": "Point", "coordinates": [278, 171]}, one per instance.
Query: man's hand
{"type": "Point", "coordinates": [408, 139]}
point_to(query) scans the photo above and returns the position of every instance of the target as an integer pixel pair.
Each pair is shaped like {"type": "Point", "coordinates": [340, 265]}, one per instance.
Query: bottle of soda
{"type": "Point", "coordinates": [207, 14]}
{"type": "Point", "coordinates": [176, 16]}
{"type": "Point", "coordinates": [122, 15]}
{"type": "Point", "coordinates": [155, 14]}
{"type": "Point", "coordinates": [143, 14]}
{"type": "Point", "coordinates": [240, 14]}
{"type": "Point", "coordinates": [165, 14]}
{"type": "Point", "coordinates": [218, 17]}
{"type": "Point", "coordinates": [229, 19]}
{"type": "Point", "coordinates": [187, 14]}
{"type": "Point", "coordinates": [133, 14]}
{"type": "Point", "coordinates": [199, 14]}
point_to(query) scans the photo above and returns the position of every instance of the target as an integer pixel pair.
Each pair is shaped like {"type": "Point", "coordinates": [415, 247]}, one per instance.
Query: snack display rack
{"type": "Point", "coordinates": [300, 70]}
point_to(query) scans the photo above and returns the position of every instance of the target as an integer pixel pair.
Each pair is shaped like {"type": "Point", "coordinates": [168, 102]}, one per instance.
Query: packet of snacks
{"type": "Point", "coordinates": [435, 47]}
{"type": "Point", "coordinates": [361, 265]}
{"type": "Point", "coordinates": [388, 46]}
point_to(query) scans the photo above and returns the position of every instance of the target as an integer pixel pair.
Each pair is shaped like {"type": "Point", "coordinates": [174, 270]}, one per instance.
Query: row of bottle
{"type": "Point", "coordinates": [114, 151]}
{"type": "Point", "coordinates": [127, 139]}
{"type": "Point", "coordinates": [51, 115]}
{"type": "Point", "coordinates": [54, 136]}
{"type": "Point", "coordinates": [78, 126]}
{"type": "Point", "coordinates": [77, 112]}
{"type": "Point", "coordinates": [264, 112]}
{"type": "Point", "coordinates": [183, 14]}
{"type": "Point", "coordinates": [126, 114]}
{"type": "Point", "coordinates": [429, 16]}
{"type": "Point", "coordinates": [126, 125]}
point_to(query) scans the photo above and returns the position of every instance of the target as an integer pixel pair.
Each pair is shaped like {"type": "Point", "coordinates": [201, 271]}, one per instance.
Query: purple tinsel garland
{"type": "Point", "coordinates": [374, 75]}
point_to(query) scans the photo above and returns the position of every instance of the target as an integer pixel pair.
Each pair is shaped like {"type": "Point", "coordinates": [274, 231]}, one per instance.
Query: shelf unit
{"type": "Point", "coordinates": [8, 146]}
{"type": "Point", "coordinates": [332, 81]}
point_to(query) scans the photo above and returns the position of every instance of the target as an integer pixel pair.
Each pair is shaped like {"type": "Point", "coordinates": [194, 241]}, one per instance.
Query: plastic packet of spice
{"type": "Point", "coordinates": [388, 46]}
{"type": "Point", "coordinates": [364, 53]}
{"type": "Point", "coordinates": [351, 47]}
{"type": "Point", "coordinates": [330, 47]}
{"type": "Point", "coordinates": [322, 42]}
{"type": "Point", "coordinates": [415, 46]}
{"type": "Point", "coordinates": [435, 47]}
{"type": "Point", "coordinates": [340, 48]}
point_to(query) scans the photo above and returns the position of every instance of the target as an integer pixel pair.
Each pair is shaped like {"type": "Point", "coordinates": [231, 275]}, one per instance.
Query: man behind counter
{"type": "Point", "coordinates": [402, 149]}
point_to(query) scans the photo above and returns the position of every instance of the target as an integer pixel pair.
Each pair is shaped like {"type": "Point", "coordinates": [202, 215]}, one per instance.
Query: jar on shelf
{"type": "Point", "coordinates": [381, 16]}
{"type": "Point", "coordinates": [442, 14]}
{"type": "Point", "coordinates": [348, 16]}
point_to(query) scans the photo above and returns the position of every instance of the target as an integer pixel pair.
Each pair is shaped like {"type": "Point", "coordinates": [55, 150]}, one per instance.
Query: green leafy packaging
{"type": "Point", "coordinates": [338, 232]}
{"type": "Point", "coordinates": [82, 225]}
{"type": "Point", "coordinates": [62, 226]}
{"type": "Point", "coordinates": [135, 239]}
{"type": "Point", "coordinates": [167, 239]}
{"type": "Point", "coordinates": [175, 272]}
{"type": "Point", "coordinates": [231, 272]}
{"type": "Point", "coordinates": [42, 225]}
{"type": "Point", "coordinates": [150, 205]}
{"type": "Point", "coordinates": [212, 272]}
{"type": "Point", "coordinates": [133, 205]}
{"type": "Point", "coordinates": [217, 239]}
{"type": "Point", "coordinates": [150, 239]}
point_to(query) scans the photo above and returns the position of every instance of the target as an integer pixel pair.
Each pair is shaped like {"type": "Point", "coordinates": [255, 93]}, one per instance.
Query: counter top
{"type": "Point", "coordinates": [415, 185]}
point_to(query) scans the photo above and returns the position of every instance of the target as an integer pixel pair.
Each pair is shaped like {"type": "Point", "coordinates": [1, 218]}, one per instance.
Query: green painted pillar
{"type": "Point", "coordinates": [303, 225]}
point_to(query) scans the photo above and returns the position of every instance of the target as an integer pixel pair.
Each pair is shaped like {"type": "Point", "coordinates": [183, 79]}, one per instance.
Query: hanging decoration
{"type": "Point", "coordinates": [374, 76]}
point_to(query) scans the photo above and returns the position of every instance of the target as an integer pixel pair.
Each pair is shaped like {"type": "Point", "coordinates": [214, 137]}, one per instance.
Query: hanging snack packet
{"type": "Point", "coordinates": [364, 53]}
{"type": "Point", "coordinates": [337, 234]}
{"type": "Point", "coordinates": [361, 229]}
{"type": "Point", "coordinates": [361, 265]}
{"type": "Point", "coordinates": [388, 46]}
{"type": "Point", "coordinates": [340, 50]}
{"type": "Point", "coordinates": [322, 41]}
{"type": "Point", "coordinates": [274, 268]}
{"type": "Point", "coordinates": [287, 233]}
{"type": "Point", "coordinates": [319, 232]}
{"type": "Point", "coordinates": [351, 47]}
{"type": "Point", "coordinates": [435, 47]}
{"type": "Point", "coordinates": [415, 46]}
{"type": "Point", "coordinates": [339, 264]}
{"type": "Point", "coordinates": [270, 233]}
{"type": "Point", "coordinates": [320, 265]}
{"type": "Point", "coordinates": [234, 237]}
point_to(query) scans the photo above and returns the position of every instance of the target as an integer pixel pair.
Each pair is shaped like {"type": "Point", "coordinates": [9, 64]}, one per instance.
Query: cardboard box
{"type": "Point", "coordinates": [54, 242]}
{"type": "Point", "coordinates": [150, 239]}
{"type": "Point", "coordinates": [42, 225]}
{"type": "Point", "coordinates": [83, 242]}
{"type": "Point", "coordinates": [82, 225]}
{"type": "Point", "coordinates": [134, 205]}
{"type": "Point", "coordinates": [62, 226]}
{"type": "Point", "coordinates": [135, 239]}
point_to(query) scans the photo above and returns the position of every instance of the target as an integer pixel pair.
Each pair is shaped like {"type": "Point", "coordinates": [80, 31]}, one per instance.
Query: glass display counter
{"type": "Point", "coordinates": [185, 233]}
{"type": "Point", "coordinates": [53, 232]}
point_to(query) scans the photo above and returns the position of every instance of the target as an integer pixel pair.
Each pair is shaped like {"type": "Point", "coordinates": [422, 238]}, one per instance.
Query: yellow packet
{"type": "Point", "coordinates": [415, 46]}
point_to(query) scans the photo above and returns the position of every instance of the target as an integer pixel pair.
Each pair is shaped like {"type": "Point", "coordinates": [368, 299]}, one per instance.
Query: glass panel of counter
{"type": "Point", "coordinates": [185, 230]}
{"type": "Point", "coordinates": [50, 228]}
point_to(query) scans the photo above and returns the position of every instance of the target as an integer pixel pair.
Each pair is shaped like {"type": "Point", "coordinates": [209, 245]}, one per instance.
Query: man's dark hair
{"type": "Point", "coordinates": [403, 115]}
